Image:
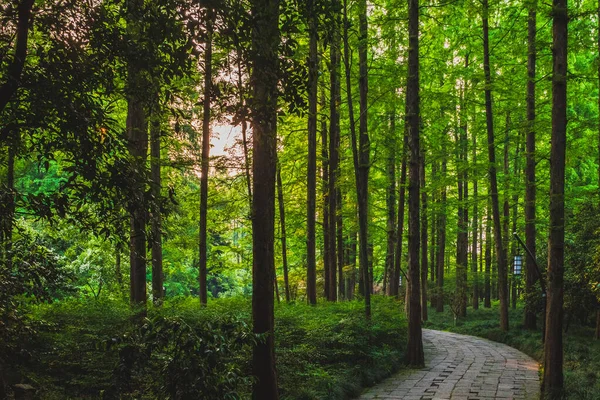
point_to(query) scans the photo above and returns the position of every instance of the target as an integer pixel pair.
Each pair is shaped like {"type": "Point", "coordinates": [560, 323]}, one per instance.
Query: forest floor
{"type": "Point", "coordinates": [581, 351]}
{"type": "Point", "coordinates": [462, 367]}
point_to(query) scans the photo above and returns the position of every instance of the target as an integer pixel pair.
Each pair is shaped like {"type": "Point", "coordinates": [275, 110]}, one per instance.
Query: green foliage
{"type": "Point", "coordinates": [168, 358]}
{"type": "Point", "coordinates": [93, 348]}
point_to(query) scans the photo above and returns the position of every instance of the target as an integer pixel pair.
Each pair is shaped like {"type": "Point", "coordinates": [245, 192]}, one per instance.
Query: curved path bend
{"type": "Point", "coordinates": [461, 367]}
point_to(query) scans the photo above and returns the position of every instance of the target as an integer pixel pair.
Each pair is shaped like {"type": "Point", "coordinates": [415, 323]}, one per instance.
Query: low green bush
{"type": "Point", "coordinates": [92, 349]}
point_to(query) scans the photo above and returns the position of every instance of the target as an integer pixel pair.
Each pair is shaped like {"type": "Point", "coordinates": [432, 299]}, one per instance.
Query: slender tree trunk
{"type": "Point", "coordinates": [530, 189]}
{"type": "Point", "coordinates": [391, 204]}
{"type": "Point", "coordinates": [351, 119]}
{"type": "Point", "coordinates": [434, 221]}
{"type": "Point", "coordinates": [206, 117]}
{"type": "Point", "coordinates": [500, 251]}
{"type": "Point", "coordinates": [334, 145]}
{"type": "Point", "coordinates": [488, 258]}
{"type": "Point", "coordinates": [474, 249]}
{"type": "Point", "coordinates": [394, 285]}
{"type": "Point", "coordinates": [244, 129]}
{"type": "Point", "coordinates": [515, 205]}
{"type": "Point", "coordinates": [414, 351]}
{"type": "Point", "coordinates": [311, 262]}
{"type": "Point", "coordinates": [441, 233]}
{"type": "Point", "coordinates": [364, 154]}
{"type": "Point", "coordinates": [506, 205]}
{"type": "Point", "coordinates": [157, 258]}
{"type": "Point", "coordinates": [283, 236]}
{"type": "Point", "coordinates": [265, 41]}
{"type": "Point", "coordinates": [340, 244]}
{"type": "Point", "coordinates": [463, 219]}
{"type": "Point", "coordinates": [424, 252]}
{"type": "Point", "coordinates": [352, 262]}
{"type": "Point", "coordinates": [325, 169]}
{"type": "Point", "coordinates": [553, 346]}
{"type": "Point", "coordinates": [15, 69]}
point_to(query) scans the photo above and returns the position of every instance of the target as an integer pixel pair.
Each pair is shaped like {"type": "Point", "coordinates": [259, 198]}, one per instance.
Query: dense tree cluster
{"type": "Point", "coordinates": [405, 144]}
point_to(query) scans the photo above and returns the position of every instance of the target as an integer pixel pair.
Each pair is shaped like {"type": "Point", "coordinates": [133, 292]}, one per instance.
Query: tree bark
{"type": "Point", "coordinates": [441, 233]}
{"type": "Point", "coordinates": [487, 303]}
{"type": "Point", "coordinates": [286, 282]}
{"type": "Point", "coordinates": [364, 154]}
{"type": "Point", "coordinates": [340, 244]}
{"type": "Point", "coordinates": [15, 69]}
{"type": "Point", "coordinates": [500, 251]}
{"type": "Point", "coordinates": [474, 249]}
{"type": "Point", "coordinates": [530, 189]}
{"type": "Point", "coordinates": [265, 42]}
{"type": "Point", "coordinates": [424, 252]}
{"type": "Point", "coordinates": [553, 346]}
{"type": "Point", "coordinates": [325, 171]}
{"type": "Point", "coordinates": [311, 262]}
{"type": "Point", "coordinates": [155, 160]}
{"type": "Point", "coordinates": [334, 145]}
{"type": "Point", "coordinates": [206, 117]}
{"type": "Point", "coordinates": [390, 204]}
{"type": "Point", "coordinates": [394, 284]}
{"type": "Point", "coordinates": [414, 351]}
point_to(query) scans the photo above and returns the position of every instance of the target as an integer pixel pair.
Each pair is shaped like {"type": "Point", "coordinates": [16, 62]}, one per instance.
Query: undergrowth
{"type": "Point", "coordinates": [90, 349]}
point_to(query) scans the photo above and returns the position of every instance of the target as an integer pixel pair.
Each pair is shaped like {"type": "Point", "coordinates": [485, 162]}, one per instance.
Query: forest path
{"type": "Point", "coordinates": [462, 367]}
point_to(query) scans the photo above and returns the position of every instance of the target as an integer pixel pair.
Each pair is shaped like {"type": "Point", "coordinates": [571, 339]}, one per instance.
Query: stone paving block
{"type": "Point", "coordinates": [460, 367]}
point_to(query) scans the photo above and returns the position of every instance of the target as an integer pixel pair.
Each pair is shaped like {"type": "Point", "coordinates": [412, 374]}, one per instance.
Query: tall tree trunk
{"type": "Point", "coordinates": [474, 249]}
{"type": "Point", "coordinates": [311, 262]}
{"type": "Point", "coordinates": [350, 287]}
{"type": "Point", "coordinates": [414, 351]}
{"type": "Point", "coordinates": [340, 244]}
{"type": "Point", "coordinates": [15, 68]}
{"type": "Point", "coordinates": [244, 113]}
{"type": "Point", "coordinates": [500, 251]}
{"type": "Point", "coordinates": [364, 155]}
{"type": "Point", "coordinates": [206, 116]}
{"type": "Point", "coordinates": [424, 253]}
{"type": "Point", "coordinates": [506, 205]}
{"type": "Point", "coordinates": [390, 204]}
{"type": "Point", "coordinates": [351, 119]}
{"type": "Point", "coordinates": [441, 233]}
{"type": "Point", "coordinates": [530, 189]}
{"type": "Point", "coordinates": [394, 285]}
{"type": "Point", "coordinates": [515, 215]}
{"type": "Point", "coordinates": [334, 145]}
{"type": "Point", "coordinates": [463, 219]}
{"type": "Point", "coordinates": [488, 258]}
{"type": "Point", "coordinates": [553, 346]}
{"type": "Point", "coordinates": [265, 42]}
{"type": "Point", "coordinates": [137, 143]}
{"type": "Point", "coordinates": [325, 169]}
{"type": "Point", "coordinates": [286, 282]}
{"type": "Point", "coordinates": [155, 160]}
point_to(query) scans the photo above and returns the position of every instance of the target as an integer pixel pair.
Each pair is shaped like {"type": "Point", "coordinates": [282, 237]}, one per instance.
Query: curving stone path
{"type": "Point", "coordinates": [461, 367]}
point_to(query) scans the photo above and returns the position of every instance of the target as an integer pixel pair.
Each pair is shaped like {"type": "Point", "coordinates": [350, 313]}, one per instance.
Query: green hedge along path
{"type": "Point", "coordinates": [461, 367]}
